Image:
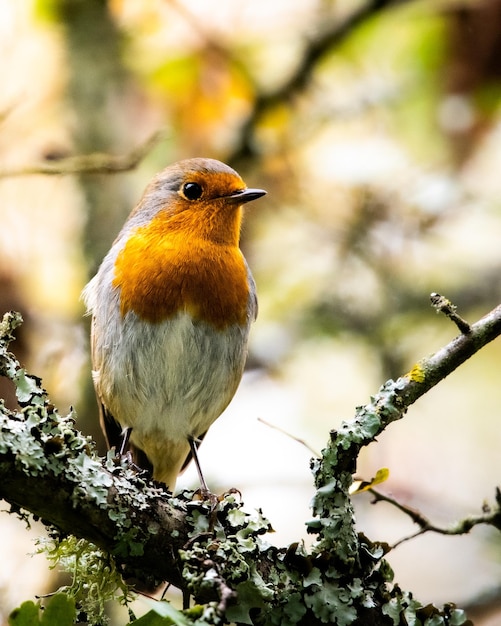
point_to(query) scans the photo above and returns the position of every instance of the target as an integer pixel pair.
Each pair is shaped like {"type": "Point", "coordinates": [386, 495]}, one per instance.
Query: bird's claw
{"type": "Point", "coordinates": [205, 495]}
{"type": "Point", "coordinates": [124, 460]}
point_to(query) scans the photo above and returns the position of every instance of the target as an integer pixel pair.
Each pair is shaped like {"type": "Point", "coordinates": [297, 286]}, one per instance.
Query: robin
{"type": "Point", "coordinates": [171, 305]}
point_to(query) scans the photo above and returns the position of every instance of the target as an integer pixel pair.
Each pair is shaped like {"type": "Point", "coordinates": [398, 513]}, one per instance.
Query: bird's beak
{"type": "Point", "coordinates": [246, 195]}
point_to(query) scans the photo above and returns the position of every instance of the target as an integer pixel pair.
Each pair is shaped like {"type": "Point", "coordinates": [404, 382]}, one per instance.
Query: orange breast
{"type": "Point", "coordinates": [160, 274]}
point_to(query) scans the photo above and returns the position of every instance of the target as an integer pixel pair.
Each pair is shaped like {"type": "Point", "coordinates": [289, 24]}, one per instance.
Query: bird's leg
{"type": "Point", "coordinates": [193, 441]}
{"type": "Point", "coordinates": [125, 436]}
{"type": "Point", "coordinates": [124, 453]}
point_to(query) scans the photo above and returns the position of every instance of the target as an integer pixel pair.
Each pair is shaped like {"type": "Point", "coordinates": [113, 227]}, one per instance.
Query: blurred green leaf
{"type": "Point", "coordinates": [25, 615]}
{"type": "Point", "coordinates": [59, 609]}
{"type": "Point", "coordinates": [162, 614]}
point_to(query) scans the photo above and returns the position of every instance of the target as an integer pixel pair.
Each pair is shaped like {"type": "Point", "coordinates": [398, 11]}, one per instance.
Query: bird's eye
{"type": "Point", "coordinates": [192, 191]}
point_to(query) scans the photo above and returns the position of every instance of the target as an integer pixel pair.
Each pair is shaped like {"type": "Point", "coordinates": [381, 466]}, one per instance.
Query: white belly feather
{"type": "Point", "coordinates": [174, 377]}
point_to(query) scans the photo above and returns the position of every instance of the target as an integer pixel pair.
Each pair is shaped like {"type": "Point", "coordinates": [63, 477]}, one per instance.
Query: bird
{"type": "Point", "coordinates": [172, 304]}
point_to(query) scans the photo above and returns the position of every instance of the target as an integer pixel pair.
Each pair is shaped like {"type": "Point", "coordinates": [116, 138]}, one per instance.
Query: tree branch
{"type": "Point", "coordinates": [442, 305]}
{"type": "Point", "coordinates": [327, 38]}
{"type": "Point", "coordinates": [431, 370]}
{"type": "Point", "coordinates": [490, 517]}
{"type": "Point", "coordinates": [333, 472]}
{"type": "Point", "coordinates": [96, 163]}
{"type": "Point", "coordinates": [216, 551]}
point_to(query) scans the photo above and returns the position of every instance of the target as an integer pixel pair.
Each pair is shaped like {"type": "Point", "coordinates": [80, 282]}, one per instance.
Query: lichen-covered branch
{"type": "Point", "coordinates": [214, 550]}
{"type": "Point", "coordinates": [333, 472]}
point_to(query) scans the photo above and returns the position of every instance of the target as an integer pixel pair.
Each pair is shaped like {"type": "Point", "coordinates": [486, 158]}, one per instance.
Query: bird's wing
{"type": "Point", "coordinates": [110, 427]}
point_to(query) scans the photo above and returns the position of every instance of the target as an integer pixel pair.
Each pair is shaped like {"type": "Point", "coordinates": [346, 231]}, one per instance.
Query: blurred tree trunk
{"type": "Point", "coordinates": [99, 93]}
{"type": "Point", "coordinates": [472, 75]}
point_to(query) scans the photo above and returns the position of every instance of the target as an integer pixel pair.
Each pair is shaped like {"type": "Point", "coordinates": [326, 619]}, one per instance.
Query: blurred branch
{"type": "Point", "coordinates": [291, 436]}
{"type": "Point", "coordinates": [485, 607]}
{"type": "Point", "coordinates": [316, 48]}
{"type": "Point", "coordinates": [491, 517]}
{"type": "Point", "coordinates": [402, 299]}
{"type": "Point", "coordinates": [195, 23]}
{"type": "Point", "coordinates": [96, 163]}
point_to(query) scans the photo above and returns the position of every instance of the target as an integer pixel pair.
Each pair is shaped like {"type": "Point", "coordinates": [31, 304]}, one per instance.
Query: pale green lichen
{"type": "Point", "coordinates": [95, 577]}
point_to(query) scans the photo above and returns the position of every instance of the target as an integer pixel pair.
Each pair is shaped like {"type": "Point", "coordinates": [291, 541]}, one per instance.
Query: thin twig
{"type": "Point", "coordinates": [95, 163]}
{"type": "Point", "coordinates": [443, 305]}
{"type": "Point", "coordinates": [490, 517]}
{"type": "Point", "coordinates": [284, 432]}
{"type": "Point", "coordinates": [429, 371]}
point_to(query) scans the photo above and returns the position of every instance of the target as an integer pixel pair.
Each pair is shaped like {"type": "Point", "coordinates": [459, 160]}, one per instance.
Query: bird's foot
{"type": "Point", "coordinates": [205, 495]}
{"type": "Point", "coordinates": [230, 492]}
{"type": "Point", "coordinates": [124, 460]}
{"type": "Point", "coordinates": [213, 499]}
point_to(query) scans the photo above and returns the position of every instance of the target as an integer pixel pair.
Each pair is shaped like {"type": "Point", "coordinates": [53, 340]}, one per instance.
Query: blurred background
{"type": "Point", "coordinates": [375, 126]}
